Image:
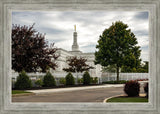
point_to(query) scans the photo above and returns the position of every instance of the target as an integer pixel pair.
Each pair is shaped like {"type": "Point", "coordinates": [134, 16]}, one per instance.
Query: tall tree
{"type": "Point", "coordinates": [109, 68]}
{"type": "Point", "coordinates": [144, 67]}
{"type": "Point", "coordinates": [118, 46]}
{"type": "Point", "coordinates": [30, 51]}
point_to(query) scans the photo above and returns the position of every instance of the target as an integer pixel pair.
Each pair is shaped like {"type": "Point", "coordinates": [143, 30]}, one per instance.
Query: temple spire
{"type": "Point", "coordinates": [75, 46]}
{"type": "Point", "coordinates": [75, 28]}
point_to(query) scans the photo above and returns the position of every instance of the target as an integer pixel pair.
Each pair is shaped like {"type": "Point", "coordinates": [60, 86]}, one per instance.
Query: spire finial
{"type": "Point", "coordinates": [75, 28]}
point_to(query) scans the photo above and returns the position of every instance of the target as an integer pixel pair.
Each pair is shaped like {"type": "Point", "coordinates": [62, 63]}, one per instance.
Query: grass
{"type": "Point", "coordinates": [19, 92]}
{"type": "Point", "coordinates": [128, 99]}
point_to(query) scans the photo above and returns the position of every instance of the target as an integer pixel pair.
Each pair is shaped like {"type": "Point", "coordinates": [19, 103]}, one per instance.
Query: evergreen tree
{"type": "Point", "coordinates": [49, 80]}
{"type": "Point", "coordinates": [23, 81]}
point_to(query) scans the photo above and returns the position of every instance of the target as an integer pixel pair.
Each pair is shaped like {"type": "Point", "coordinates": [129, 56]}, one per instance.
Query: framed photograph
{"type": "Point", "coordinates": [143, 15]}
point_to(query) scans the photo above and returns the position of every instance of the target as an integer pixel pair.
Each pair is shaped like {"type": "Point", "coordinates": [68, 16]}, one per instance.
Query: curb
{"type": "Point", "coordinates": [71, 89]}
{"type": "Point", "coordinates": [105, 100]}
{"type": "Point", "coordinates": [23, 94]}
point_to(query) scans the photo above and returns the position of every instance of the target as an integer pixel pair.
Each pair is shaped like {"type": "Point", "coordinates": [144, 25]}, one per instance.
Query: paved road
{"type": "Point", "coordinates": [90, 95]}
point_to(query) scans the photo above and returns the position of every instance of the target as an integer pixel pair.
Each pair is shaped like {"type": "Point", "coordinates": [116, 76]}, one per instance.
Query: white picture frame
{"type": "Point", "coordinates": [6, 8]}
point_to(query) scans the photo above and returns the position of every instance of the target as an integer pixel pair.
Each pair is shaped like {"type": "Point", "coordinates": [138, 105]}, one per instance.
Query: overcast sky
{"type": "Point", "coordinates": [59, 26]}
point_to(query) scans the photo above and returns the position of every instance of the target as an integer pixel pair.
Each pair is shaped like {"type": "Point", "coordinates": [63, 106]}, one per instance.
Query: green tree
{"type": "Point", "coordinates": [69, 79]}
{"type": "Point", "coordinates": [49, 80]}
{"type": "Point", "coordinates": [109, 68]}
{"type": "Point", "coordinates": [128, 69]}
{"type": "Point", "coordinates": [118, 46]}
{"type": "Point", "coordinates": [86, 78]}
{"type": "Point", "coordinates": [23, 81]}
{"type": "Point", "coordinates": [144, 67]}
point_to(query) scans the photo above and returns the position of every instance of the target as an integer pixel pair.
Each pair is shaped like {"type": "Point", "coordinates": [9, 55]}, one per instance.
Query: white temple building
{"type": "Point", "coordinates": [64, 54]}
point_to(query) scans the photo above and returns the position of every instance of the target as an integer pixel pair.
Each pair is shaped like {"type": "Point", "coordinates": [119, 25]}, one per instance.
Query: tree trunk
{"type": "Point", "coordinates": [77, 78]}
{"type": "Point", "coordinates": [117, 73]}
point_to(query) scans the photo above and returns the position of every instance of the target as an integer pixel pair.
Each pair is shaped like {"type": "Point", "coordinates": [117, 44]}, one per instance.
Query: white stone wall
{"type": "Point", "coordinates": [61, 61]}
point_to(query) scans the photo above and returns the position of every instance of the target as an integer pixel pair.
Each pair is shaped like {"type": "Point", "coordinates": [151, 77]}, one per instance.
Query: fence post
{"type": "Point", "coordinates": [108, 77]}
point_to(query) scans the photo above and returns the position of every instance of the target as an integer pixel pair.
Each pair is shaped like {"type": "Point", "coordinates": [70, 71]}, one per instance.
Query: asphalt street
{"type": "Point", "coordinates": [90, 95]}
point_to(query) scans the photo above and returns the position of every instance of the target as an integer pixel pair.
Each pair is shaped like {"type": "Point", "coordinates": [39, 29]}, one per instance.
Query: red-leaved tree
{"type": "Point", "coordinates": [30, 51]}
{"type": "Point", "coordinates": [77, 64]}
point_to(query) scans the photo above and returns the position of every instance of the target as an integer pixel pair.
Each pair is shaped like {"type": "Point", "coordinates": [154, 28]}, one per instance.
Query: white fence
{"type": "Point", "coordinates": [123, 76]}
{"type": "Point", "coordinates": [104, 76]}
{"type": "Point", "coordinates": [36, 76]}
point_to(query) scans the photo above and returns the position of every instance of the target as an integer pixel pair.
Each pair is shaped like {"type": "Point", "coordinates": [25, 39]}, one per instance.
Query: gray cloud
{"type": "Point", "coordinates": [49, 30]}
{"type": "Point", "coordinates": [58, 26]}
{"type": "Point", "coordinates": [145, 48]}
{"type": "Point", "coordinates": [141, 33]}
{"type": "Point", "coordinates": [141, 15]}
{"type": "Point", "coordinates": [89, 46]}
{"type": "Point", "coordinates": [55, 40]}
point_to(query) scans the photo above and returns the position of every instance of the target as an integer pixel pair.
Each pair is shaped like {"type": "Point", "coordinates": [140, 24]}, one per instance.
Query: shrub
{"type": "Point", "coordinates": [23, 81]}
{"type": "Point", "coordinates": [86, 78]}
{"type": "Point", "coordinates": [39, 83]}
{"type": "Point", "coordinates": [91, 79]}
{"type": "Point", "coordinates": [48, 80]}
{"type": "Point", "coordinates": [69, 79]}
{"type": "Point", "coordinates": [132, 88]}
{"type": "Point", "coordinates": [146, 89]}
{"type": "Point", "coordinates": [62, 81]}
{"type": "Point", "coordinates": [95, 80]}
{"type": "Point", "coordinates": [80, 80]}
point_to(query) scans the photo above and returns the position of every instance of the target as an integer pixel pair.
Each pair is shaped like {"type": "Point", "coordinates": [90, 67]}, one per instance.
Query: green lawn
{"type": "Point", "coordinates": [128, 99]}
{"type": "Point", "coordinates": [19, 92]}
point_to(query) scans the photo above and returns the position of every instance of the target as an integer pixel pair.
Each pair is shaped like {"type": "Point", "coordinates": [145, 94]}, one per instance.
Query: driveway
{"type": "Point", "coordinates": [85, 95]}
{"type": "Point", "coordinates": [89, 95]}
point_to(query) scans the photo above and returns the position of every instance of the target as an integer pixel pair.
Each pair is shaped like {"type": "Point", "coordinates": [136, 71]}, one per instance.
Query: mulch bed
{"type": "Point", "coordinates": [62, 86]}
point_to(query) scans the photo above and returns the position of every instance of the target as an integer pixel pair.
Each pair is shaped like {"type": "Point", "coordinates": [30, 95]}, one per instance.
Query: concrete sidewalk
{"type": "Point", "coordinates": [73, 88]}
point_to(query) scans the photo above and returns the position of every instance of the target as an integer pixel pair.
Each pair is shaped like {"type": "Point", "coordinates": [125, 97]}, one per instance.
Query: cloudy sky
{"type": "Point", "coordinates": [59, 26]}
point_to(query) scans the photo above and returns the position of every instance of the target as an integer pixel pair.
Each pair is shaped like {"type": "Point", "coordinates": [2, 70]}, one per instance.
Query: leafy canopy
{"type": "Point", "coordinates": [77, 65]}
{"type": "Point", "coordinates": [30, 51]}
{"type": "Point", "coordinates": [118, 46]}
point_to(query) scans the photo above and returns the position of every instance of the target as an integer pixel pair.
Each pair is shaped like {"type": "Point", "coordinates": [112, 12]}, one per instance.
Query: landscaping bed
{"type": "Point", "coordinates": [61, 86]}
